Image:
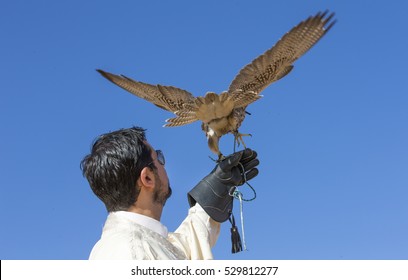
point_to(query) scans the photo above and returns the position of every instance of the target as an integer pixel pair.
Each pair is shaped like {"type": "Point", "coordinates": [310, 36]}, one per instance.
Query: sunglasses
{"type": "Point", "coordinates": [160, 157]}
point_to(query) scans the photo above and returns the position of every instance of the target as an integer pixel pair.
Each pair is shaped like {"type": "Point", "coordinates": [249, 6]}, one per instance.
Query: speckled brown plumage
{"type": "Point", "coordinates": [224, 113]}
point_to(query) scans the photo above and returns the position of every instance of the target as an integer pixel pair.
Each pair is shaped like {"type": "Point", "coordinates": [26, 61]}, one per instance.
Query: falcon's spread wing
{"type": "Point", "coordinates": [277, 62]}
{"type": "Point", "coordinates": [166, 97]}
{"type": "Point", "coordinates": [224, 113]}
{"type": "Point", "coordinates": [182, 103]}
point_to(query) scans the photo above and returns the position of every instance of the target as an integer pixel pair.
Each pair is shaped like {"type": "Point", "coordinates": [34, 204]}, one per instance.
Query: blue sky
{"type": "Point", "coordinates": [331, 136]}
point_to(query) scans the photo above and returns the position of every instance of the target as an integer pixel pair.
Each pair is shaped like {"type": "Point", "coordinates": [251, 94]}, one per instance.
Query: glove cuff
{"type": "Point", "coordinates": [213, 198]}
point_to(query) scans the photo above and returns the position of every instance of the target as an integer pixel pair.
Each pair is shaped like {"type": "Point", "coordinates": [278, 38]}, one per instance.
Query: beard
{"type": "Point", "coordinates": [161, 195]}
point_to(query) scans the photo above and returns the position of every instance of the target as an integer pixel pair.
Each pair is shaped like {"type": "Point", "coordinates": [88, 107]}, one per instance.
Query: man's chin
{"type": "Point", "coordinates": [169, 192]}
{"type": "Point", "coordinates": [168, 195]}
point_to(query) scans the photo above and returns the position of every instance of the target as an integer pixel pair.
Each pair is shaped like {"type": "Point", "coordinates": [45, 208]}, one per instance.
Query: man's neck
{"type": "Point", "coordinates": [154, 213]}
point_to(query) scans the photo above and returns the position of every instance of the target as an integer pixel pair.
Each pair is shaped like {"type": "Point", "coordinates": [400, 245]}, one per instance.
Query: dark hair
{"type": "Point", "coordinates": [114, 166]}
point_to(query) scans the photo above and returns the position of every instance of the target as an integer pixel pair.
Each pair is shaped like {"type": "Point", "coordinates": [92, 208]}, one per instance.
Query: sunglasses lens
{"type": "Point", "coordinates": [160, 157]}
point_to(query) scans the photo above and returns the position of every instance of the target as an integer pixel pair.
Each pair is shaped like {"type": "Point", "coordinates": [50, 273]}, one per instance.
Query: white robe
{"type": "Point", "coordinates": [127, 236]}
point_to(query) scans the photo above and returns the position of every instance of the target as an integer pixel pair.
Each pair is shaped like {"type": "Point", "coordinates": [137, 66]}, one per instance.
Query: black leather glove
{"type": "Point", "coordinates": [214, 192]}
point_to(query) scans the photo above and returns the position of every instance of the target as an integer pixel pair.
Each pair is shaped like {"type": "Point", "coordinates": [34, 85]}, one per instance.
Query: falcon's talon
{"type": "Point", "coordinates": [239, 140]}
{"type": "Point", "coordinates": [221, 157]}
{"type": "Point", "coordinates": [213, 159]}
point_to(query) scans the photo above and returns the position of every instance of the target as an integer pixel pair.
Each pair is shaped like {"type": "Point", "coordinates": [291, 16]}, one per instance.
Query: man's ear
{"type": "Point", "coordinates": [147, 178]}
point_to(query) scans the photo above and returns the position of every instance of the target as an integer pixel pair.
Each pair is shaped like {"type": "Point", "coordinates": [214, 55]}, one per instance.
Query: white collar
{"type": "Point", "coordinates": [150, 223]}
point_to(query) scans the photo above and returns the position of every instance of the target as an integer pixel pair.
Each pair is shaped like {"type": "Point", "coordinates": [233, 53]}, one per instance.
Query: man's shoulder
{"type": "Point", "coordinates": [114, 247]}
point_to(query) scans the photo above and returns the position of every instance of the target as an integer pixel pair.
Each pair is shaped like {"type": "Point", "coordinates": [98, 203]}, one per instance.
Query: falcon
{"type": "Point", "coordinates": [224, 113]}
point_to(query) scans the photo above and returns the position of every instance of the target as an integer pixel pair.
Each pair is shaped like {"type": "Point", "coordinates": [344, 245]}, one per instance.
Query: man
{"type": "Point", "coordinates": [128, 175]}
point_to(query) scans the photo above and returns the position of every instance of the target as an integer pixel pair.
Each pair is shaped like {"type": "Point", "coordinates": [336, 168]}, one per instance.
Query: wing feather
{"type": "Point", "coordinates": [166, 97]}
{"type": "Point", "coordinates": [178, 121]}
{"type": "Point", "coordinates": [277, 62]}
